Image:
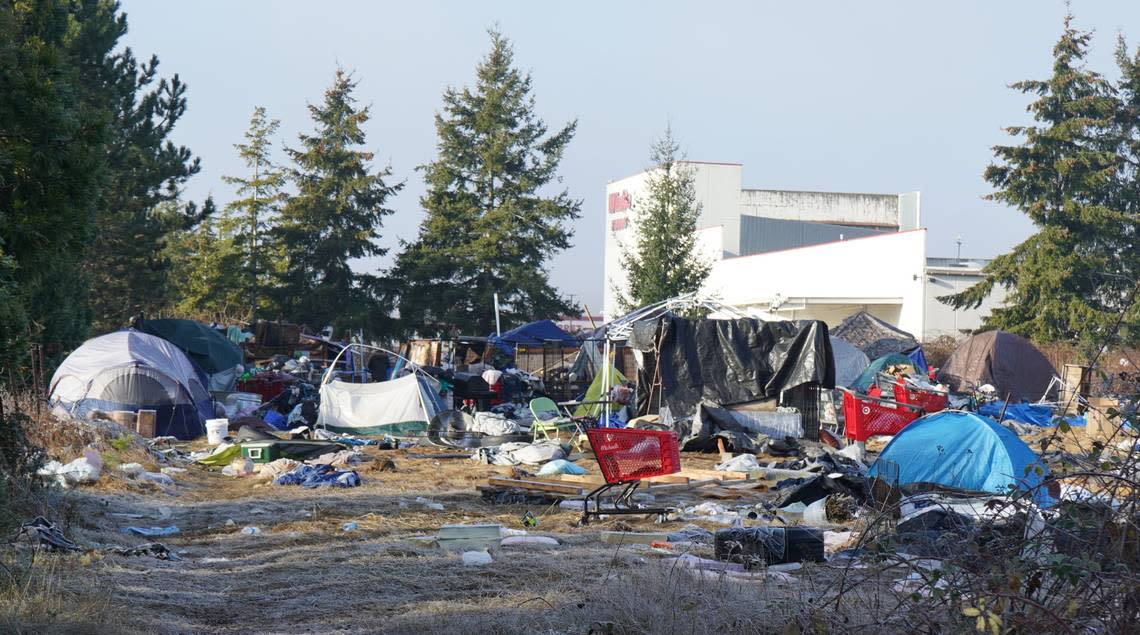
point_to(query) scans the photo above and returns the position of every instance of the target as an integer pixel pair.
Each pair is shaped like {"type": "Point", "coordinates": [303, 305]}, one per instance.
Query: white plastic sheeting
{"type": "Point", "coordinates": [849, 361]}
{"type": "Point", "coordinates": [396, 407]}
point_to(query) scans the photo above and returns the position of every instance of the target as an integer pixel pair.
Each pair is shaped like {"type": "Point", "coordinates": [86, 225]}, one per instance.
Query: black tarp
{"type": "Point", "coordinates": [729, 362]}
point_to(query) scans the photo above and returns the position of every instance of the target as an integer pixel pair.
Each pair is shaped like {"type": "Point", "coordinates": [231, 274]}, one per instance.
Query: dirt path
{"type": "Point", "coordinates": [303, 574]}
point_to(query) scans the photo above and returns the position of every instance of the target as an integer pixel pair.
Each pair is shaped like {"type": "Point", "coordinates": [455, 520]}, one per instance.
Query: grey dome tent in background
{"type": "Point", "coordinates": [873, 336]}
{"type": "Point", "coordinates": [1010, 363]}
{"type": "Point", "coordinates": [849, 361]}
{"type": "Point", "coordinates": [130, 370]}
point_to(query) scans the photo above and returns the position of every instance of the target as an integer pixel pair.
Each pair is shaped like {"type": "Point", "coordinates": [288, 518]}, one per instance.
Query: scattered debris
{"type": "Point", "coordinates": [151, 532]}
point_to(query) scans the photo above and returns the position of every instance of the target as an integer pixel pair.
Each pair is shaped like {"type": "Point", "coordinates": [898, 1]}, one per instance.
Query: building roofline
{"type": "Point", "coordinates": [622, 178]}
{"type": "Point", "coordinates": [834, 242]}
{"type": "Point", "coordinates": [768, 189]}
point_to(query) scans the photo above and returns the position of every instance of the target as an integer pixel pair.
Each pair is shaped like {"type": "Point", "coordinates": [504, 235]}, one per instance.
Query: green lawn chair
{"type": "Point", "coordinates": [549, 420]}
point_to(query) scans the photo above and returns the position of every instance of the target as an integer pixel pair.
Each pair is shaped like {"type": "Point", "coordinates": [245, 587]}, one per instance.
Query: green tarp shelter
{"type": "Point", "coordinates": [209, 349]}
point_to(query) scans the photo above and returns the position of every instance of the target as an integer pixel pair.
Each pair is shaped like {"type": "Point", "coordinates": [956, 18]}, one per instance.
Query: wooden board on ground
{"type": "Point", "coordinates": [537, 485]}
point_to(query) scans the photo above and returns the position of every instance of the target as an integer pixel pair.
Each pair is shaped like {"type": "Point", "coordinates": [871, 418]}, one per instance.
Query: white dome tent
{"type": "Point", "coordinates": [130, 370]}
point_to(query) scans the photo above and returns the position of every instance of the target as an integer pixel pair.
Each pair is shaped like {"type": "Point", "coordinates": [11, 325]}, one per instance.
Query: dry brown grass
{"type": "Point", "coordinates": [53, 593]}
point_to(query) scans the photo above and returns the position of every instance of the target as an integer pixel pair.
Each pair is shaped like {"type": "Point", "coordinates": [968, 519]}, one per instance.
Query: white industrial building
{"type": "Point", "coordinates": [783, 254]}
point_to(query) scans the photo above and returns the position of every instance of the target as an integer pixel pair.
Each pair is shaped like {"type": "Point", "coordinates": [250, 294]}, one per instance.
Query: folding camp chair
{"type": "Point", "coordinates": [626, 456]}
{"type": "Point", "coordinates": [549, 420]}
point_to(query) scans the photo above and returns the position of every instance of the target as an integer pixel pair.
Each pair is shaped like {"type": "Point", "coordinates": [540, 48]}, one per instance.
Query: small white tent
{"type": "Point", "coordinates": [398, 407]}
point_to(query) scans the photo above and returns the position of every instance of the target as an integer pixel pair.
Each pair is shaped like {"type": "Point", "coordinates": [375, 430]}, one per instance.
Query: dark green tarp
{"type": "Point", "coordinates": [209, 349]}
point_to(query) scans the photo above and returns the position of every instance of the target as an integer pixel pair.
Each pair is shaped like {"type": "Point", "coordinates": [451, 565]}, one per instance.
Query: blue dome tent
{"type": "Point", "coordinates": [130, 370]}
{"type": "Point", "coordinates": [964, 451]}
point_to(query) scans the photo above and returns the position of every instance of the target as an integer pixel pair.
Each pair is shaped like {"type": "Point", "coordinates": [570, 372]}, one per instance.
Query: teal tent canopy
{"type": "Point", "coordinates": [867, 378]}
{"type": "Point", "coordinates": [209, 349]}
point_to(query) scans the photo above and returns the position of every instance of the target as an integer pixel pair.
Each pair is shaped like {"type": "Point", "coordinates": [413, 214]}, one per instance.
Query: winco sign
{"type": "Point", "coordinates": [618, 202]}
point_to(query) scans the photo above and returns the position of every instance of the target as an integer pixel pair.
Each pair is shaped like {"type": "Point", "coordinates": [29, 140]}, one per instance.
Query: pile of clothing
{"type": "Point", "coordinates": [312, 476]}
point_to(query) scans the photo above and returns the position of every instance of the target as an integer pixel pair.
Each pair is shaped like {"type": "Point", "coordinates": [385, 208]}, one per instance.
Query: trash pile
{"type": "Point", "coordinates": [812, 436]}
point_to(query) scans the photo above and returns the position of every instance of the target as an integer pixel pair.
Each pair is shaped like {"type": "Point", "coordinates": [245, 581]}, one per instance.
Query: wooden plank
{"type": "Point", "coordinates": [668, 478]}
{"type": "Point", "coordinates": [596, 479]}
{"type": "Point", "coordinates": [680, 487]}
{"type": "Point", "coordinates": [581, 478]}
{"type": "Point", "coordinates": [724, 476]}
{"type": "Point", "coordinates": [539, 486]}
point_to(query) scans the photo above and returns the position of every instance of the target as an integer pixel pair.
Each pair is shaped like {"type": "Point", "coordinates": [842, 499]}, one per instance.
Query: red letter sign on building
{"type": "Point", "coordinates": [618, 202]}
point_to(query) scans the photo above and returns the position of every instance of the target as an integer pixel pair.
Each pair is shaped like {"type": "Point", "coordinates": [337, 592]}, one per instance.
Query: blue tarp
{"type": "Point", "coordinates": [867, 379]}
{"type": "Point", "coordinates": [962, 450]}
{"type": "Point", "coordinates": [1030, 413]}
{"type": "Point", "coordinates": [919, 359]}
{"type": "Point", "coordinates": [533, 334]}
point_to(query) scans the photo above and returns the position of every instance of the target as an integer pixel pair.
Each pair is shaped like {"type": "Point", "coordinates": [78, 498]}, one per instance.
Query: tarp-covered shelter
{"type": "Point", "coordinates": [895, 361]}
{"type": "Point", "coordinates": [849, 361]}
{"type": "Point", "coordinates": [733, 361]}
{"type": "Point", "coordinates": [960, 450]}
{"type": "Point", "coordinates": [874, 336]}
{"type": "Point", "coordinates": [131, 370]}
{"type": "Point", "coordinates": [1008, 362]}
{"type": "Point", "coordinates": [399, 407]}
{"type": "Point", "coordinates": [212, 351]}
{"type": "Point", "coordinates": [598, 391]}
{"type": "Point", "coordinates": [533, 334]}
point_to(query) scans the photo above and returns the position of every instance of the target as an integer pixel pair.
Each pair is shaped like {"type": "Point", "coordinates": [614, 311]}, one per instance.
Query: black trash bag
{"type": "Point", "coordinates": [699, 433]}
{"type": "Point", "coordinates": [760, 546]}
{"type": "Point", "coordinates": [808, 492]}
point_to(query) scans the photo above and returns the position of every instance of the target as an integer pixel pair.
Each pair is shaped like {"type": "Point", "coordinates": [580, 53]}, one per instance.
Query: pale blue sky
{"type": "Point", "coordinates": [842, 96]}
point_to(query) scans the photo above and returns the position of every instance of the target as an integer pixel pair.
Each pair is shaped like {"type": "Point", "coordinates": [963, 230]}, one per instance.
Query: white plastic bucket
{"type": "Point", "coordinates": [216, 430]}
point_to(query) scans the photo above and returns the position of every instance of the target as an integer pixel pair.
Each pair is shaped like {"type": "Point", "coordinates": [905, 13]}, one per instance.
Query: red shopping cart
{"type": "Point", "coordinates": [929, 399]}
{"type": "Point", "coordinates": [626, 456]}
{"type": "Point", "coordinates": [866, 416]}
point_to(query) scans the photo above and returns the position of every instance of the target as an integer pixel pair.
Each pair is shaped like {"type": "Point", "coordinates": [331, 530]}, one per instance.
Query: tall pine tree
{"type": "Point", "coordinates": [491, 224]}
{"type": "Point", "coordinates": [1069, 280]}
{"type": "Point", "coordinates": [139, 211]}
{"type": "Point", "coordinates": [334, 217]}
{"type": "Point", "coordinates": [244, 222]}
{"type": "Point", "coordinates": [663, 262]}
{"type": "Point", "coordinates": [53, 136]}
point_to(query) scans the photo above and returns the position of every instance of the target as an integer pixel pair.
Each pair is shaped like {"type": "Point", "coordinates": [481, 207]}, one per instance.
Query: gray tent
{"type": "Point", "coordinates": [873, 336]}
{"type": "Point", "coordinates": [1010, 363]}
{"type": "Point", "coordinates": [849, 361]}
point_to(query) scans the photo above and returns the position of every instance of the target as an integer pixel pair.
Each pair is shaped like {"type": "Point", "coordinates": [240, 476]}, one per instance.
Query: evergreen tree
{"type": "Point", "coordinates": [53, 135]}
{"type": "Point", "coordinates": [137, 213]}
{"type": "Point", "coordinates": [204, 262]}
{"type": "Point", "coordinates": [662, 262]}
{"type": "Point", "coordinates": [334, 217]}
{"type": "Point", "coordinates": [491, 227]}
{"type": "Point", "coordinates": [1070, 279]}
{"type": "Point", "coordinates": [1127, 187]}
{"type": "Point", "coordinates": [251, 256]}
